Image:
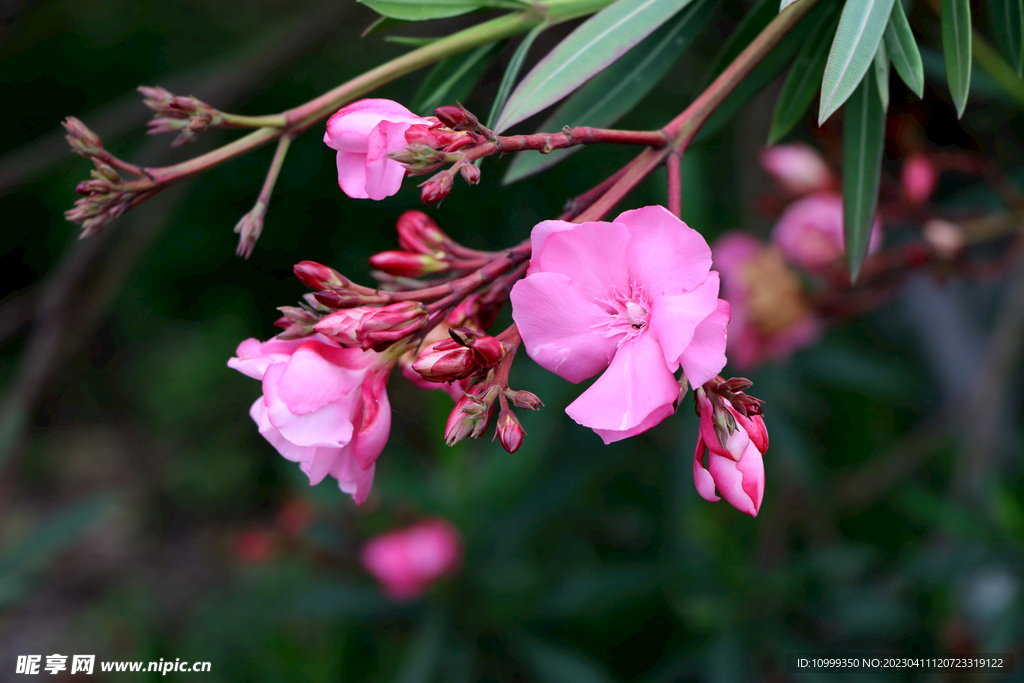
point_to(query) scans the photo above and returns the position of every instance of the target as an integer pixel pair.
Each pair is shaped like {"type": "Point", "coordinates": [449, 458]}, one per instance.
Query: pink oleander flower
{"type": "Point", "coordinates": [797, 169]}
{"type": "Point", "coordinates": [918, 178]}
{"type": "Point", "coordinates": [734, 466]}
{"type": "Point", "coordinates": [809, 233]}
{"type": "Point", "coordinates": [770, 315]}
{"type": "Point", "coordinates": [408, 561]}
{"type": "Point", "coordinates": [364, 133]}
{"type": "Point", "coordinates": [323, 406]}
{"type": "Point", "coordinates": [636, 296]}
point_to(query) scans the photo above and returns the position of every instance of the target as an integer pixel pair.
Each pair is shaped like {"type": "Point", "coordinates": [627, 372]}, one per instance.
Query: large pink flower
{"type": "Point", "coordinates": [364, 133]}
{"type": "Point", "coordinates": [636, 296]}
{"type": "Point", "coordinates": [770, 315]}
{"type": "Point", "coordinates": [735, 467]}
{"type": "Point", "coordinates": [809, 232]}
{"type": "Point", "coordinates": [408, 561]}
{"type": "Point", "coordinates": [323, 406]}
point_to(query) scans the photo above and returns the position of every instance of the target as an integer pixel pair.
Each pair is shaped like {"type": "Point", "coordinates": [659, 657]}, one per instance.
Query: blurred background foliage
{"type": "Point", "coordinates": [142, 516]}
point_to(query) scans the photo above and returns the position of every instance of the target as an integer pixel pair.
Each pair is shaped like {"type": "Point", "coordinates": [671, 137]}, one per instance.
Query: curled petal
{"type": "Point", "coordinates": [704, 357]}
{"type": "Point", "coordinates": [590, 254]}
{"type": "Point", "coordinates": [384, 175]}
{"type": "Point", "coordinates": [310, 381]}
{"type": "Point", "coordinates": [676, 317]}
{"type": "Point", "coordinates": [330, 426]}
{"type": "Point", "coordinates": [740, 483]}
{"type": "Point", "coordinates": [539, 236]}
{"type": "Point", "coordinates": [664, 255]}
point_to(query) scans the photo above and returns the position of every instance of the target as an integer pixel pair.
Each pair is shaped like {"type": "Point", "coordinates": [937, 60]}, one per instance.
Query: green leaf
{"type": "Point", "coordinates": [1007, 19]}
{"type": "Point", "coordinates": [861, 27]}
{"type": "Point", "coordinates": [768, 68]}
{"type": "Point", "coordinates": [512, 72]}
{"type": "Point", "coordinates": [453, 79]}
{"type": "Point", "coordinates": [902, 49]}
{"type": "Point", "coordinates": [592, 47]}
{"type": "Point", "coordinates": [882, 74]}
{"type": "Point", "coordinates": [863, 143]}
{"type": "Point", "coordinates": [784, 4]}
{"type": "Point", "coordinates": [421, 10]}
{"type": "Point", "coordinates": [618, 89]}
{"type": "Point", "coordinates": [802, 82]}
{"type": "Point", "coordinates": [956, 45]}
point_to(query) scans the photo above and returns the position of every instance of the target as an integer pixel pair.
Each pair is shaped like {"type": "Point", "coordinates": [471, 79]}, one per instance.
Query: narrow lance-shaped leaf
{"type": "Point", "coordinates": [618, 89]}
{"type": "Point", "coordinates": [1007, 20]}
{"type": "Point", "coordinates": [956, 46]}
{"type": "Point", "coordinates": [861, 27]}
{"type": "Point", "coordinates": [804, 77]}
{"type": "Point", "coordinates": [512, 72]}
{"type": "Point", "coordinates": [592, 47]}
{"type": "Point", "coordinates": [422, 10]}
{"type": "Point", "coordinates": [863, 143]}
{"type": "Point", "coordinates": [784, 4]}
{"type": "Point", "coordinates": [902, 49]}
{"type": "Point", "coordinates": [454, 78]}
{"type": "Point", "coordinates": [768, 68]}
{"type": "Point", "coordinates": [882, 74]}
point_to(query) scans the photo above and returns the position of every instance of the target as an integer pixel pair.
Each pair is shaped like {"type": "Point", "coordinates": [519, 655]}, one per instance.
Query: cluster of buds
{"type": "Point", "coordinates": [466, 353]}
{"type": "Point", "coordinates": [472, 414]}
{"type": "Point", "coordinates": [104, 195]}
{"type": "Point", "coordinates": [186, 116]}
{"type": "Point", "coordinates": [370, 327]}
{"type": "Point", "coordinates": [734, 435]}
{"type": "Point", "coordinates": [426, 250]}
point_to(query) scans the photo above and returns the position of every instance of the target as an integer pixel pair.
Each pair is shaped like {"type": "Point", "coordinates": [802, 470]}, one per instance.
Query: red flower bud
{"type": "Point", "coordinates": [509, 431]}
{"type": "Point", "coordinates": [456, 117]}
{"type": "Point", "coordinates": [430, 136]}
{"type": "Point", "coordinates": [404, 264]}
{"type": "Point", "coordinates": [470, 173]}
{"type": "Point", "coordinates": [436, 189]}
{"type": "Point", "coordinates": [317, 276]}
{"type": "Point", "coordinates": [367, 326]}
{"type": "Point", "coordinates": [337, 300]}
{"type": "Point", "coordinates": [470, 415]}
{"type": "Point", "coordinates": [419, 234]}
{"type": "Point", "coordinates": [82, 140]}
{"type": "Point", "coordinates": [446, 361]}
{"type": "Point", "coordinates": [488, 350]}
{"type": "Point", "coordinates": [524, 399]}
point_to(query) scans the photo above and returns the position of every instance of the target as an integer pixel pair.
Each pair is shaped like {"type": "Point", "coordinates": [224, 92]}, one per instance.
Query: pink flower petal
{"type": "Point", "coordinates": [353, 480]}
{"type": "Point", "coordinates": [539, 236]}
{"type": "Point", "coordinates": [740, 483]}
{"type": "Point", "coordinates": [675, 317]}
{"type": "Point", "coordinates": [384, 175]}
{"type": "Point", "coordinates": [253, 357]}
{"type": "Point", "coordinates": [664, 255]}
{"type": "Point", "coordinates": [590, 254]}
{"type": "Point", "coordinates": [701, 477]}
{"type": "Point", "coordinates": [311, 381]}
{"type": "Point", "coordinates": [348, 129]}
{"type": "Point", "coordinates": [705, 356]}
{"type": "Point", "coordinates": [272, 434]}
{"type": "Point", "coordinates": [329, 426]}
{"type": "Point", "coordinates": [352, 174]}
{"type": "Point", "coordinates": [374, 421]}
{"type": "Point", "coordinates": [611, 435]}
{"type": "Point", "coordinates": [635, 385]}
{"type": "Point", "coordinates": [556, 321]}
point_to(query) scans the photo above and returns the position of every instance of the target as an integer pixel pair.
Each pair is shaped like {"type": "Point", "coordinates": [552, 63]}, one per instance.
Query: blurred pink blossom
{"type": "Point", "coordinates": [770, 317]}
{"type": "Point", "coordinates": [918, 178]}
{"type": "Point", "coordinates": [635, 296]}
{"type": "Point", "coordinates": [735, 466]}
{"type": "Point", "coordinates": [797, 169]}
{"type": "Point", "coordinates": [407, 561]}
{"type": "Point", "coordinates": [364, 133]}
{"type": "Point", "coordinates": [323, 406]}
{"type": "Point", "coordinates": [809, 233]}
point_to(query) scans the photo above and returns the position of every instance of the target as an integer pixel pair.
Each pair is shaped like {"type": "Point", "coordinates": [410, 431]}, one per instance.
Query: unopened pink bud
{"type": "Point", "coordinates": [524, 399]}
{"type": "Point", "coordinates": [509, 432]}
{"type": "Point", "coordinates": [436, 189]}
{"type": "Point", "coordinates": [82, 140]}
{"type": "Point", "coordinates": [488, 349]}
{"type": "Point", "coordinates": [431, 137]}
{"type": "Point", "coordinates": [298, 314]}
{"type": "Point", "coordinates": [446, 361]}
{"type": "Point", "coordinates": [918, 178]}
{"type": "Point", "coordinates": [337, 300]}
{"type": "Point", "coordinates": [249, 229]}
{"type": "Point", "coordinates": [367, 326]}
{"type": "Point", "coordinates": [317, 276]}
{"type": "Point", "coordinates": [469, 417]}
{"type": "Point", "coordinates": [470, 173]}
{"type": "Point", "coordinates": [456, 117]}
{"type": "Point", "coordinates": [404, 264]}
{"type": "Point", "coordinates": [797, 169]}
{"type": "Point", "coordinates": [419, 234]}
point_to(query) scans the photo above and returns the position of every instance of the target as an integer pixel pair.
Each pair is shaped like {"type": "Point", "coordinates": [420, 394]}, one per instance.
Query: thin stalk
{"type": "Point", "coordinates": [675, 188]}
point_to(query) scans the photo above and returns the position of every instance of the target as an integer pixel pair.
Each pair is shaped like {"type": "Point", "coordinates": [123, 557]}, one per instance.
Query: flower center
{"type": "Point", "coordinates": [626, 313]}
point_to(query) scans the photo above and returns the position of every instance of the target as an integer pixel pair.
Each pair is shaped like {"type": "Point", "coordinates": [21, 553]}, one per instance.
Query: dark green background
{"type": "Point", "coordinates": [131, 466]}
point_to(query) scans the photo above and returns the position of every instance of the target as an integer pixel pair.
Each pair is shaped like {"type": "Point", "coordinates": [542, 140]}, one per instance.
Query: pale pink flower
{"type": "Point", "coordinates": [797, 169]}
{"type": "Point", "coordinates": [364, 133]}
{"type": "Point", "coordinates": [809, 233]}
{"type": "Point", "coordinates": [635, 296]}
{"type": "Point", "coordinates": [323, 406]}
{"type": "Point", "coordinates": [918, 178]}
{"type": "Point", "coordinates": [735, 467]}
{"type": "Point", "coordinates": [770, 316]}
{"type": "Point", "coordinates": [407, 561]}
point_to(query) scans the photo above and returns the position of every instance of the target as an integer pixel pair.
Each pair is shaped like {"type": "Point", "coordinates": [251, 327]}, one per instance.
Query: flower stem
{"type": "Point", "coordinates": [675, 189]}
